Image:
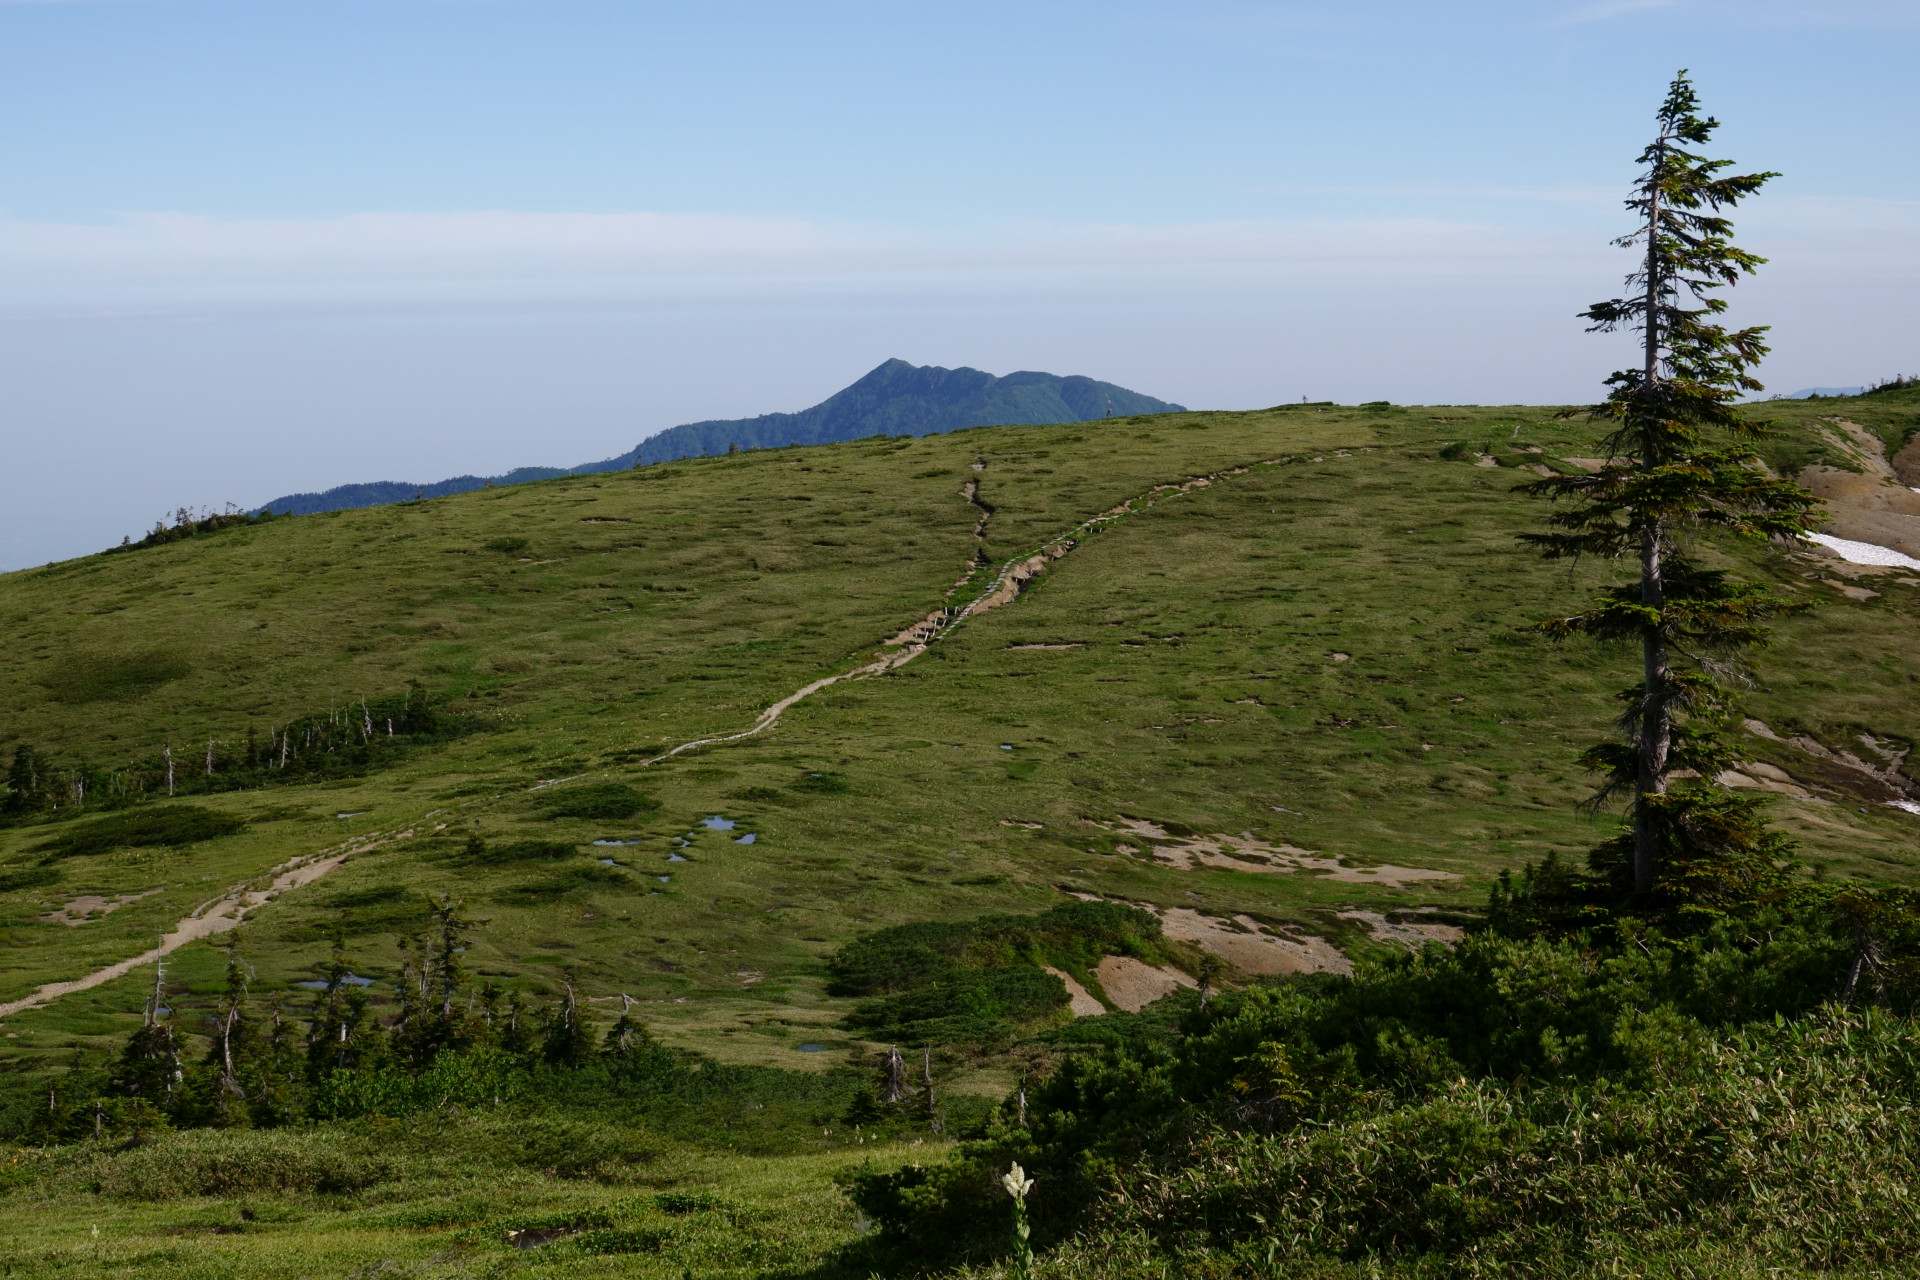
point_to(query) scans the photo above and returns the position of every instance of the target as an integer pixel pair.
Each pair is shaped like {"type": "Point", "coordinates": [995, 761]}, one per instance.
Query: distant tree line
{"type": "Point", "coordinates": [187, 525]}
{"type": "Point", "coordinates": [343, 741]}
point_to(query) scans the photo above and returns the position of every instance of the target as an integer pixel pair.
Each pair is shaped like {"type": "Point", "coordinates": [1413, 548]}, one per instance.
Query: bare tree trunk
{"type": "Point", "coordinates": [1651, 368]}
{"type": "Point", "coordinates": [1656, 717]}
{"type": "Point", "coordinates": [159, 979]}
{"type": "Point", "coordinates": [896, 1074]}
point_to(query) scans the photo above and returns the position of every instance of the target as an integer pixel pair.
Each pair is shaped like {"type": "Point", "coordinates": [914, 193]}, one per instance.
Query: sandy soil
{"type": "Point", "coordinates": [1245, 852]}
{"type": "Point", "coordinates": [1132, 984]}
{"type": "Point", "coordinates": [91, 907]}
{"type": "Point", "coordinates": [1242, 942]}
{"type": "Point", "coordinates": [1081, 1001]}
{"type": "Point", "coordinates": [1250, 946]}
{"type": "Point", "coordinates": [1411, 934]}
{"type": "Point", "coordinates": [1757, 775]}
{"type": "Point", "coordinates": [921, 631]}
{"type": "Point", "coordinates": [1874, 505]}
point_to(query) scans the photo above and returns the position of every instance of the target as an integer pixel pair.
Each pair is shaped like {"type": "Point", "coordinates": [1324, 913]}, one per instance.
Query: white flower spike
{"type": "Point", "coordinates": [1017, 1182]}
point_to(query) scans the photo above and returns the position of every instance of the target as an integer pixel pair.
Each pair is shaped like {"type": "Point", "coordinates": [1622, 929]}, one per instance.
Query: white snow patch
{"type": "Point", "coordinates": [1909, 806]}
{"type": "Point", "coordinates": [1864, 552]}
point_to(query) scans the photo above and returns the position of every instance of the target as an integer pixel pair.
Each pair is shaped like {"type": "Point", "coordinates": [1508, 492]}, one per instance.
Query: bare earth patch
{"type": "Point", "coordinates": [1132, 984]}
{"type": "Point", "coordinates": [1079, 999]}
{"type": "Point", "coordinates": [1757, 775]}
{"type": "Point", "coordinates": [1245, 852]}
{"type": "Point", "coordinates": [1250, 946]}
{"type": "Point", "coordinates": [1411, 934]}
{"type": "Point", "coordinates": [91, 907]}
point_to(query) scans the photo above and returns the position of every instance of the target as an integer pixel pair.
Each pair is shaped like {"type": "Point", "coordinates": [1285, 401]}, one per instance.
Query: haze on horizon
{"type": "Point", "coordinates": [253, 246]}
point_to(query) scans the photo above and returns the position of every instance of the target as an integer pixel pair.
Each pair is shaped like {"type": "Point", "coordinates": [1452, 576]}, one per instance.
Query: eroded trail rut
{"type": "Point", "coordinates": [1004, 588]}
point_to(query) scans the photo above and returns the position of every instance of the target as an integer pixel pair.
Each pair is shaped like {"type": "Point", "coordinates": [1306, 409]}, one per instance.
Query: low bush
{"type": "Point", "coordinates": [1075, 934]}
{"type": "Point", "coordinates": [114, 677]}
{"type": "Point", "coordinates": [983, 980]}
{"type": "Point", "coordinates": [214, 1162]}
{"type": "Point", "coordinates": [167, 827]}
{"type": "Point", "coordinates": [965, 1006]}
{"type": "Point", "coordinates": [479, 852]}
{"type": "Point", "coordinates": [30, 878]}
{"type": "Point", "coordinates": [614, 1240]}
{"type": "Point", "coordinates": [570, 881]}
{"type": "Point", "coordinates": [598, 800]}
{"type": "Point", "coordinates": [1518, 1105]}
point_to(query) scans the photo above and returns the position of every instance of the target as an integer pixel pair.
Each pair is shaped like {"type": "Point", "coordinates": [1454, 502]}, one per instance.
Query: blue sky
{"type": "Point", "coordinates": [267, 245]}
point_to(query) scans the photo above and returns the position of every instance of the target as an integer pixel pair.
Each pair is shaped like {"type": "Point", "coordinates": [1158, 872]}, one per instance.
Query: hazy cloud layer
{"type": "Point", "coordinates": [413, 257]}
{"type": "Point", "coordinates": [161, 360]}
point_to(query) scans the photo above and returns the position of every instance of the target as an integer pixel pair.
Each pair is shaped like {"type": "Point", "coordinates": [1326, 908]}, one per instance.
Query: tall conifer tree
{"type": "Point", "coordinates": [1678, 466]}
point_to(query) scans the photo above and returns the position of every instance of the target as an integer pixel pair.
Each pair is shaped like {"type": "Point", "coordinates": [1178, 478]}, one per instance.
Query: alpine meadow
{"type": "Point", "coordinates": [1328, 841]}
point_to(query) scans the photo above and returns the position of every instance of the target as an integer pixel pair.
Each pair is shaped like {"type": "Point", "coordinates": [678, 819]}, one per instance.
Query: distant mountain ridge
{"type": "Point", "coordinates": [896, 398]}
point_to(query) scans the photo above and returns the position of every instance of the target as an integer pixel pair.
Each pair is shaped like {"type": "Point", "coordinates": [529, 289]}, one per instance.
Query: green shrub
{"type": "Point", "coordinates": [614, 1240]}
{"type": "Point", "coordinates": [982, 980]}
{"type": "Point", "coordinates": [165, 827]}
{"type": "Point", "coordinates": [1073, 935]}
{"type": "Point", "coordinates": [217, 1162]}
{"type": "Point", "coordinates": [601, 800]}
{"type": "Point", "coordinates": [1513, 1102]}
{"type": "Point", "coordinates": [823, 783]}
{"type": "Point", "coordinates": [478, 852]}
{"type": "Point", "coordinates": [680, 1203]}
{"type": "Point", "coordinates": [379, 895]}
{"type": "Point", "coordinates": [117, 677]}
{"type": "Point", "coordinates": [570, 881]}
{"type": "Point", "coordinates": [964, 1005]}
{"type": "Point", "coordinates": [1797, 1139]}
{"type": "Point", "coordinates": [31, 878]}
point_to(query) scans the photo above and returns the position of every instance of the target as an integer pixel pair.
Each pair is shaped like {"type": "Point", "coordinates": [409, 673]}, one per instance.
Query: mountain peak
{"type": "Point", "coordinates": [896, 397]}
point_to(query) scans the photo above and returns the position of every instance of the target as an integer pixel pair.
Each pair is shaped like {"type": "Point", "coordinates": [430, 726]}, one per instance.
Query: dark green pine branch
{"type": "Point", "coordinates": [1675, 474]}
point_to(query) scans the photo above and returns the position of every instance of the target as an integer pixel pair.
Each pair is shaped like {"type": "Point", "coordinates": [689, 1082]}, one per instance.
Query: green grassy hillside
{"type": "Point", "coordinates": [1326, 650]}
{"type": "Point", "coordinates": [1274, 680]}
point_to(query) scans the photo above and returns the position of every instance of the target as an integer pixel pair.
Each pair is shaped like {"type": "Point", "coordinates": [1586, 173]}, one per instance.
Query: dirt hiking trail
{"type": "Point", "coordinates": [1003, 588]}
{"type": "Point", "coordinates": [217, 915]}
